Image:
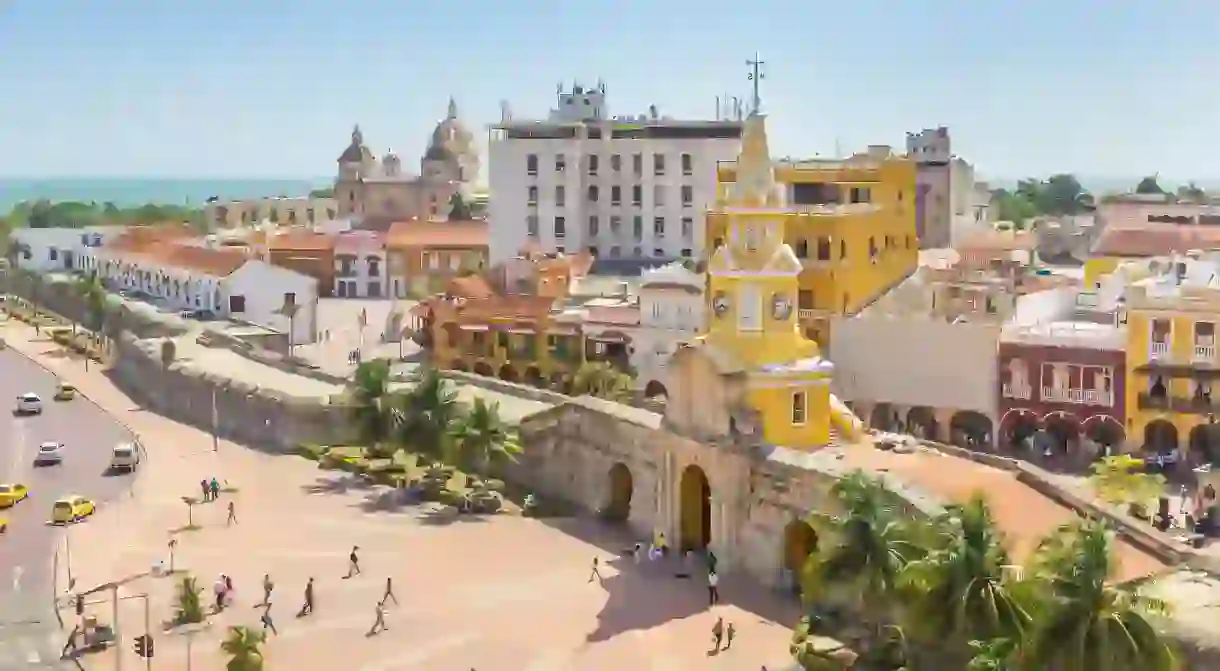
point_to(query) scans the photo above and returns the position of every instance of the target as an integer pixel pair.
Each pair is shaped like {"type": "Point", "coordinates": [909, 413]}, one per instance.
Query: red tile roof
{"type": "Point", "coordinates": [1155, 240]}
{"type": "Point", "coordinates": [416, 233]}
{"type": "Point", "coordinates": [301, 241]}
{"type": "Point", "coordinates": [216, 262]}
{"type": "Point", "coordinates": [470, 286]}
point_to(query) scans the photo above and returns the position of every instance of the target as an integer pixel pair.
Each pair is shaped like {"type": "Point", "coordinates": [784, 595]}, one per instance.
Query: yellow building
{"type": "Point", "coordinates": [850, 223]}
{"type": "Point", "coordinates": [1171, 360]}
{"type": "Point", "coordinates": [754, 283]}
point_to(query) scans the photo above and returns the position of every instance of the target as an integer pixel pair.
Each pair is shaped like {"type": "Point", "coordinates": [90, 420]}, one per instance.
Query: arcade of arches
{"type": "Point", "coordinates": [1198, 440]}
{"type": "Point", "coordinates": [965, 428]}
{"type": "Point", "coordinates": [1058, 432]}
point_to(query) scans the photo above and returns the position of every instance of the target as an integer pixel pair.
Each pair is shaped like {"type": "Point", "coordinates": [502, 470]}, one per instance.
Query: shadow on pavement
{"type": "Point", "coordinates": [337, 484]}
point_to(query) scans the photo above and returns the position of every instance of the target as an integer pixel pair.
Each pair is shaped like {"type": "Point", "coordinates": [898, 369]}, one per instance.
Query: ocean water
{"type": "Point", "coordinates": [135, 191]}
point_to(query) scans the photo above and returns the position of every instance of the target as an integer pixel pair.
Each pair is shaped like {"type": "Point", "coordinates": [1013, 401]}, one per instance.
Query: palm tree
{"type": "Point", "coordinates": [1085, 622]}
{"type": "Point", "coordinates": [482, 437]}
{"type": "Point", "coordinates": [965, 588]}
{"type": "Point", "coordinates": [424, 415]}
{"type": "Point", "coordinates": [89, 289]}
{"type": "Point", "coordinates": [245, 649]}
{"type": "Point", "coordinates": [370, 397]}
{"type": "Point", "coordinates": [872, 546]}
{"type": "Point", "coordinates": [602, 380]}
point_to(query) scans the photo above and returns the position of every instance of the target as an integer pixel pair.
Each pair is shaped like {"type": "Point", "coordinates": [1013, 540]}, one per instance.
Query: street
{"type": "Point", "coordinates": [29, 634]}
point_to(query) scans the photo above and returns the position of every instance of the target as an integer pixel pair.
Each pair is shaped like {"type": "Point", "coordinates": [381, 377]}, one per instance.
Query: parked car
{"type": "Point", "coordinates": [72, 509]}
{"type": "Point", "coordinates": [49, 454]}
{"type": "Point", "coordinates": [12, 494]}
{"type": "Point", "coordinates": [65, 392]}
{"type": "Point", "coordinates": [124, 457]}
{"type": "Point", "coordinates": [29, 404]}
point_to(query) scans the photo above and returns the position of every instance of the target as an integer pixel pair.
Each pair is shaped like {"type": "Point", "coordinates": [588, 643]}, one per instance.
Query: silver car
{"type": "Point", "coordinates": [49, 454]}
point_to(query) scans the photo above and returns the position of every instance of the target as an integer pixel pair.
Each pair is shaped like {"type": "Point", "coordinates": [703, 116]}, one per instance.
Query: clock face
{"type": "Point", "coordinates": [781, 307]}
{"type": "Point", "coordinates": [720, 304]}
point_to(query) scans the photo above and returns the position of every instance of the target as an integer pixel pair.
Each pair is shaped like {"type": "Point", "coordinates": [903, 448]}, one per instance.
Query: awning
{"type": "Point", "coordinates": [521, 331]}
{"type": "Point", "coordinates": [473, 327]}
{"type": "Point", "coordinates": [562, 332]}
{"type": "Point", "coordinates": [612, 338]}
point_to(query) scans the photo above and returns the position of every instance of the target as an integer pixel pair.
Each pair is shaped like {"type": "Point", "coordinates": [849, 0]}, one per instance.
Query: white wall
{"type": "Point", "coordinates": [49, 249]}
{"type": "Point", "coordinates": [509, 184]}
{"type": "Point", "coordinates": [1045, 306]}
{"type": "Point", "coordinates": [916, 362]}
{"type": "Point", "coordinates": [263, 286]}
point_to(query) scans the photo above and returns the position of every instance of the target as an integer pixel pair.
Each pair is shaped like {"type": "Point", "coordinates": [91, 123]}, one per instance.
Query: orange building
{"type": "Point", "coordinates": [305, 252]}
{"type": "Point", "coordinates": [422, 256]}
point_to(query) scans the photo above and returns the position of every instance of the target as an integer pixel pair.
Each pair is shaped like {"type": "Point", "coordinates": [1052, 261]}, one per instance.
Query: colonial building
{"type": "Point", "coordinates": [629, 189]}
{"type": "Point", "coordinates": [851, 224]}
{"type": "Point", "coordinates": [304, 210]}
{"type": "Point", "coordinates": [423, 255]}
{"type": "Point", "coordinates": [305, 252]}
{"type": "Point", "coordinates": [380, 191]}
{"type": "Point", "coordinates": [360, 264]}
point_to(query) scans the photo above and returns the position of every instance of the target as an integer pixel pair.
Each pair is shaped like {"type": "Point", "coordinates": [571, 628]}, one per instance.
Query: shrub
{"type": "Point", "coordinates": [311, 451]}
{"type": "Point", "coordinates": [450, 497]}
{"type": "Point", "coordinates": [188, 608]}
{"type": "Point", "coordinates": [494, 485]}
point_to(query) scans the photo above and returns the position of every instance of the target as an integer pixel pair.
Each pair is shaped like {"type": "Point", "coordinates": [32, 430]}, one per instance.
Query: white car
{"type": "Point", "coordinates": [29, 404]}
{"type": "Point", "coordinates": [124, 457]}
{"type": "Point", "coordinates": [49, 454]}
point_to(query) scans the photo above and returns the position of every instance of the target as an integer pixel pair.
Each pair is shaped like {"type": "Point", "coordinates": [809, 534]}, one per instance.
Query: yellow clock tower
{"type": "Point", "coordinates": [753, 284]}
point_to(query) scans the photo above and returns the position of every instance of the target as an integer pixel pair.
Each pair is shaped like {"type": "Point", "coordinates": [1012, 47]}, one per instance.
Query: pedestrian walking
{"type": "Point", "coordinates": [267, 622]}
{"type": "Point", "coordinates": [219, 590]}
{"type": "Point", "coordinates": [379, 623]}
{"type": "Point", "coordinates": [353, 563]}
{"type": "Point", "coordinates": [637, 552]}
{"type": "Point", "coordinates": [232, 514]}
{"type": "Point", "coordinates": [207, 491]}
{"type": "Point", "coordinates": [662, 548]}
{"type": "Point", "coordinates": [711, 561]}
{"type": "Point", "coordinates": [595, 573]}
{"type": "Point", "coordinates": [268, 586]}
{"type": "Point", "coordinates": [729, 632]}
{"type": "Point", "coordinates": [307, 607]}
{"type": "Point", "coordinates": [229, 591]}
{"type": "Point", "coordinates": [713, 588]}
{"type": "Point", "coordinates": [389, 592]}
{"type": "Point", "coordinates": [215, 489]}
{"type": "Point", "coordinates": [717, 633]}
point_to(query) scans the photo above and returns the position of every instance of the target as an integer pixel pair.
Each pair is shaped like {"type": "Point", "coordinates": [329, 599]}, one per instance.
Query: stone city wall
{"type": "Point", "coordinates": [260, 417]}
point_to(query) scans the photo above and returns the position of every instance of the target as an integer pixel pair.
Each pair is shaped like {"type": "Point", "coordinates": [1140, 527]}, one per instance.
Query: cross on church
{"type": "Point", "coordinates": [756, 76]}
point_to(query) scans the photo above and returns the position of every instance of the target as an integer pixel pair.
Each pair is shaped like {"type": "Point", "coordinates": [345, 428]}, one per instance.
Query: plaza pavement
{"type": "Point", "coordinates": [488, 593]}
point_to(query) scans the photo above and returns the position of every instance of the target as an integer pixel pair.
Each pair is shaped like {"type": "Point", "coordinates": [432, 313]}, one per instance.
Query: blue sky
{"type": "Point", "coordinates": [271, 88]}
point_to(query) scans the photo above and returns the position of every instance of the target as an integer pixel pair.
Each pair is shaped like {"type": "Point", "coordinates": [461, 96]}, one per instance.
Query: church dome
{"type": "Point", "coordinates": [356, 151]}
{"type": "Point", "coordinates": [450, 138]}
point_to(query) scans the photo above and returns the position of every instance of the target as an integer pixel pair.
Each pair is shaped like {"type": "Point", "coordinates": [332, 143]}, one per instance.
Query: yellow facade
{"type": "Point", "coordinates": [754, 284]}
{"type": "Point", "coordinates": [856, 247]}
{"type": "Point", "coordinates": [1184, 361]}
{"type": "Point", "coordinates": [1097, 268]}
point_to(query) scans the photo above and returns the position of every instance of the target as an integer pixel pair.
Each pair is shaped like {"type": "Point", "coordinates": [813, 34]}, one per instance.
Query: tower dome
{"type": "Point", "coordinates": [356, 151]}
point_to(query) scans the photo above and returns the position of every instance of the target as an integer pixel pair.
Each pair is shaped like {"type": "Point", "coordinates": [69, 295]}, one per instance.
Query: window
{"type": "Point", "coordinates": [531, 195]}
{"type": "Point", "coordinates": [798, 408]}
{"type": "Point", "coordinates": [616, 252]}
{"type": "Point", "coordinates": [616, 223]}
{"type": "Point", "coordinates": [750, 310]}
{"type": "Point", "coordinates": [531, 225]}
{"type": "Point", "coordinates": [658, 196]}
{"type": "Point", "coordinates": [561, 196]}
{"type": "Point", "coordinates": [637, 195]}
{"type": "Point", "coordinates": [842, 249]}
{"type": "Point", "coordinates": [560, 227]}
{"type": "Point", "coordinates": [593, 225]}
{"type": "Point", "coordinates": [455, 262]}
{"type": "Point", "coordinates": [658, 252]}
{"type": "Point", "coordinates": [592, 251]}
{"type": "Point", "coordinates": [593, 165]}
{"type": "Point", "coordinates": [561, 163]}
{"type": "Point", "coordinates": [804, 299]}
{"type": "Point", "coordinates": [861, 194]}
{"type": "Point", "coordinates": [637, 226]}
{"type": "Point", "coordinates": [237, 303]}
{"type": "Point", "coordinates": [637, 252]}
{"type": "Point", "coordinates": [531, 164]}
{"type": "Point", "coordinates": [53, 253]}
{"type": "Point", "coordinates": [688, 195]}
{"type": "Point", "coordinates": [802, 249]}
{"type": "Point", "coordinates": [616, 194]}
{"type": "Point", "coordinates": [688, 227]}
{"type": "Point", "coordinates": [658, 164]}
{"type": "Point", "coordinates": [687, 164]}
{"type": "Point", "coordinates": [658, 226]}
{"type": "Point", "coordinates": [823, 249]}
{"type": "Point", "coordinates": [686, 251]}
{"type": "Point", "coordinates": [559, 249]}
{"type": "Point", "coordinates": [616, 162]}
{"type": "Point", "coordinates": [637, 164]}
{"type": "Point", "coordinates": [593, 193]}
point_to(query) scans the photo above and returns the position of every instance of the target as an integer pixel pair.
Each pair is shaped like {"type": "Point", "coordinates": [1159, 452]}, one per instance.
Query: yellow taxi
{"type": "Point", "coordinates": [72, 509]}
{"type": "Point", "coordinates": [65, 392]}
{"type": "Point", "coordinates": [12, 494]}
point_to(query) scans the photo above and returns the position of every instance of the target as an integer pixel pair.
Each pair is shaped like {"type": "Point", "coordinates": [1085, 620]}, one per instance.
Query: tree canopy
{"type": "Point", "coordinates": [76, 214]}
{"type": "Point", "coordinates": [459, 209]}
{"type": "Point", "coordinates": [1149, 185]}
{"type": "Point", "coordinates": [1059, 194]}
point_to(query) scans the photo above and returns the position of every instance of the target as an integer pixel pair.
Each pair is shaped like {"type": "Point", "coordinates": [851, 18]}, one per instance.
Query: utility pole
{"type": "Point", "coordinates": [756, 76]}
{"type": "Point", "coordinates": [118, 636]}
{"type": "Point", "coordinates": [215, 424]}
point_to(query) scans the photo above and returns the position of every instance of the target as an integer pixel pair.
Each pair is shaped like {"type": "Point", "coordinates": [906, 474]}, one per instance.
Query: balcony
{"type": "Point", "coordinates": [1159, 348]}
{"type": "Point", "coordinates": [1147, 401]}
{"type": "Point", "coordinates": [804, 314]}
{"type": "Point", "coordinates": [1073, 396]}
{"type": "Point", "coordinates": [1205, 352]}
{"type": "Point", "coordinates": [1020, 392]}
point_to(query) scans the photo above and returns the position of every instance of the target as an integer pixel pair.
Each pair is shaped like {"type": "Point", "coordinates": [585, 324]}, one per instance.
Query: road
{"type": "Point", "coordinates": [29, 634]}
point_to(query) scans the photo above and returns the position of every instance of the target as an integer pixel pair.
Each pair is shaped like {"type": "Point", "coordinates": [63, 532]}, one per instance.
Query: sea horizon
{"type": "Point", "coordinates": [134, 191]}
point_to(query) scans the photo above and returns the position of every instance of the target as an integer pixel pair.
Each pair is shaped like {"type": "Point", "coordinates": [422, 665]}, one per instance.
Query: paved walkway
{"type": "Point", "coordinates": [491, 593]}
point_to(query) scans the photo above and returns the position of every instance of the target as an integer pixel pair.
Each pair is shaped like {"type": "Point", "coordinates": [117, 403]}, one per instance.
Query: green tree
{"type": "Point", "coordinates": [965, 588]}
{"type": "Point", "coordinates": [1149, 185]}
{"type": "Point", "coordinates": [188, 606]}
{"type": "Point", "coordinates": [324, 192]}
{"type": "Point", "coordinates": [244, 646]}
{"type": "Point", "coordinates": [600, 379]}
{"type": "Point", "coordinates": [370, 395]}
{"type": "Point", "coordinates": [1086, 623]}
{"type": "Point", "coordinates": [483, 438]}
{"type": "Point", "coordinates": [89, 289]}
{"type": "Point", "coordinates": [1120, 479]}
{"type": "Point", "coordinates": [1192, 192]}
{"type": "Point", "coordinates": [424, 414]}
{"type": "Point", "coordinates": [994, 655]}
{"type": "Point", "coordinates": [459, 209]}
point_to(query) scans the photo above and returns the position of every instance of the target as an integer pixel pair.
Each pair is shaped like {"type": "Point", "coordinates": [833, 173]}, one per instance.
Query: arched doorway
{"type": "Point", "coordinates": [1063, 429]}
{"type": "Point", "coordinates": [533, 376]}
{"type": "Point", "coordinates": [618, 503]}
{"type": "Point", "coordinates": [458, 365]}
{"type": "Point", "coordinates": [483, 368]}
{"type": "Point", "coordinates": [1017, 428]}
{"type": "Point", "coordinates": [695, 510]}
{"type": "Point", "coordinates": [508, 373]}
{"type": "Point", "coordinates": [921, 423]}
{"type": "Point", "coordinates": [1104, 430]}
{"type": "Point", "coordinates": [971, 429]}
{"type": "Point", "coordinates": [882, 417]}
{"type": "Point", "coordinates": [654, 389]}
{"type": "Point", "coordinates": [1160, 436]}
{"type": "Point", "coordinates": [1204, 442]}
{"type": "Point", "coordinates": [800, 541]}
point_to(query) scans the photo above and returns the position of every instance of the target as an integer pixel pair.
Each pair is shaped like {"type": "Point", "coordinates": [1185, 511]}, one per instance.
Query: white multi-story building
{"type": "Point", "coordinates": [360, 264]}
{"type": "Point", "coordinates": [672, 312]}
{"type": "Point", "coordinates": [45, 250]}
{"type": "Point", "coordinates": [618, 187]}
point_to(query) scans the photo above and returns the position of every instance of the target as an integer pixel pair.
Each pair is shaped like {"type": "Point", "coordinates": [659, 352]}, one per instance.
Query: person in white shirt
{"type": "Point", "coordinates": [713, 588]}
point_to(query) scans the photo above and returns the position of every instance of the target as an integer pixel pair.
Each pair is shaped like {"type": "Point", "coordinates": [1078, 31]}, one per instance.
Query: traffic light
{"type": "Point", "coordinates": [144, 646]}
{"type": "Point", "coordinates": [80, 605]}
